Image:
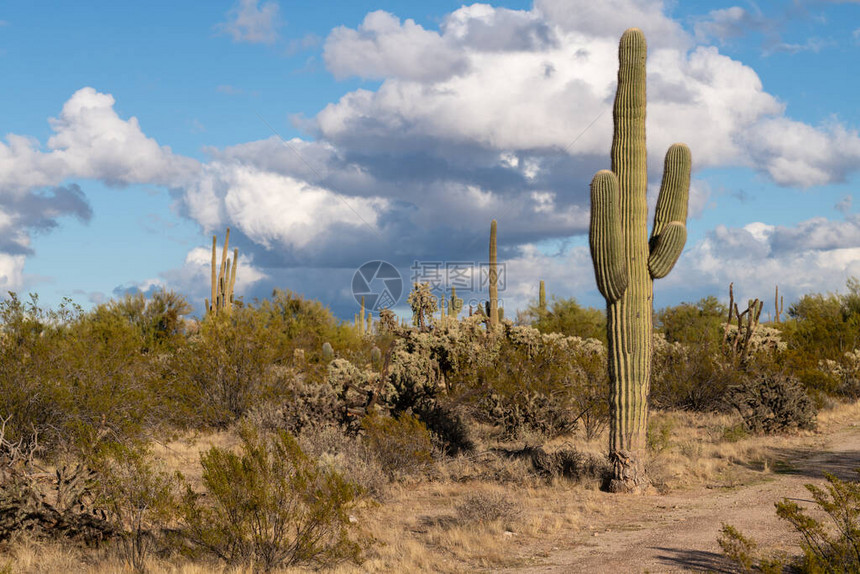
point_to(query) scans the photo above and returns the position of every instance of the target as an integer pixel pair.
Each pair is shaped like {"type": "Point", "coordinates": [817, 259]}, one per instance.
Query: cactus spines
{"type": "Point", "coordinates": [327, 351]}
{"type": "Point", "coordinates": [493, 311]}
{"type": "Point", "coordinates": [626, 262]}
{"type": "Point", "coordinates": [225, 281]}
{"type": "Point", "coordinates": [542, 297]}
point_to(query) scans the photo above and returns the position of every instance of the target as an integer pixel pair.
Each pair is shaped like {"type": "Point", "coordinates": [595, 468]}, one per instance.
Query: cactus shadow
{"type": "Point", "coordinates": [695, 560]}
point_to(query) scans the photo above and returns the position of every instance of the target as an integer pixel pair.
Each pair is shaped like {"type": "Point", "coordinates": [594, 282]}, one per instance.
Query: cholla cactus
{"type": "Point", "coordinates": [388, 321]}
{"type": "Point", "coordinates": [626, 262]}
{"type": "Point", "coordinates": [423, 304]}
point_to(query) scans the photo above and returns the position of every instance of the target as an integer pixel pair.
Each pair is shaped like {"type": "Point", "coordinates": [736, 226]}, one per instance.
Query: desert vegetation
{"type": "Point", "coordinates": [269, 435]}
{"type": "Point", "coordinates": [276, 436]}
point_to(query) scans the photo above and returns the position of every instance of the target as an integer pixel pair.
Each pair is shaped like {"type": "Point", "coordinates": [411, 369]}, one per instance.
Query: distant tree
{"type": "Point", "coordinates": [568, 317]}
{"type": "Point", "coordinates": [158, 318]}
{"type": "Point", "coordinates": [825, 325]}
{"type": "Point", "coordinates": [692, 323]}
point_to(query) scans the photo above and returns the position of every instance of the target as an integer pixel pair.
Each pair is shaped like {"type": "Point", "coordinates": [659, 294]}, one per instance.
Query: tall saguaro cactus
{"type": "Point", "coordinates": [493, 311]}
{"type": "Point", "coordinates": [542, 297]}
{"type": "Point", "coordinates": [225, 281]}
{"type": "Point", "coordinates": [626, 262]}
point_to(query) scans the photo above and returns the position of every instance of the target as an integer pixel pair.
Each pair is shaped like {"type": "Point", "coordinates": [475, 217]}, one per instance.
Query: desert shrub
{"type": "Point", "coordinates": [734, 433]}
{"type": "Point", "coordinates": [270, 505]}
{"type": "Point", "coordinates": [846, 371]}
{"type": "Point", "coordinates": [824, 325]}
{"type": "Point", "coordinates": [545, 383]}
{"type": "Point", "coordinates": [79, 381]}
{"type": "Point", "coordinates": [743, 552]}
{"type": "Point", "coordinates": [485, 507]}
{"type": "Point", "coordinates": [157, 318]}
{"type": "Point", "coordinates": [738, 548]}
{"type": "Point", "coordinates": [692, 377]}
{"type": "Point", "coordinates": [693, 324]}
{"type": "Point", "coordinates": [414, 384]}
{"type": "Point", "coordinates": [293, 322]}
{"type": "Point", "coordinates": [833, 549]}
{"type": "Point", "coordinates": [402, 444]}
{"type": "Point", "coordinates": [826, 550]}
{"type": "Point", "coordinates": [348, 455]}
{"type": "Point", "coordinates": [448, 429]}
{"type": "Point", "coordinates": [65, 506]}
{"type": "Point", "coordinates": [659, 433]}
{"type": "Point", "coordinates": [771, 401]}
{"type": "Point", "coordinates": [567, 463]}
{"type": "Point", "coordinates": [822, 328]}
{"type": "Point", "coordinates": [222, 371]}
{"type": "Point", "coordinates": [305, 406]}
{"type": "Point", "coordinates": [141, 501]}
{"type": "Point", "coordinates": [567, 317]}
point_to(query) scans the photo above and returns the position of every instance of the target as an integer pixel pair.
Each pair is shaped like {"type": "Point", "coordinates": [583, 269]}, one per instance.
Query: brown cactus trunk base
{"type": "Point", "coordinates": [628, 474]}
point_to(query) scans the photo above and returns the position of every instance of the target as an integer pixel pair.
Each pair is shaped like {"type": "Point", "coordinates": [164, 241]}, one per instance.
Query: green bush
{"type": "Point", "coordinates": [823, 549]}
{"type": "Point", "coordinates": [223, 370]}
{"type": "Point", "coordinates": [743, 551]}
{"type": "Point", "coordinates": [690, 377]}
{"type": "Point", "coordinates": [693, 324]}
{"type": "Point", "coordinates": [79, 381]}
{"type": "Point", "coordinates": [567, 317]}
{"type": "Point", "coordinates": [833, 549]}
{"type": "Point", "coordinates": [271, 505]}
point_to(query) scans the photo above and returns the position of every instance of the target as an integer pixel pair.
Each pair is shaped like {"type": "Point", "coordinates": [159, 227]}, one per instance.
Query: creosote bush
{"type": "Point", "coordinates": [141, 499]}
{"type": "Point", "coordinates": [831, 546]}
{"type": "Point", "coordinates": [270, 505]}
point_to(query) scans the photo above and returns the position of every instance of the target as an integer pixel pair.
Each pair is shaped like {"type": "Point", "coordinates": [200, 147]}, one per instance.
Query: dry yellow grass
{"type": "Point", "coordinates": [418, 528]}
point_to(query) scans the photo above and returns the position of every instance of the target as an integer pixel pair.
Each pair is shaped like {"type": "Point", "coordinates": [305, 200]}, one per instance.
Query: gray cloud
{"type": "Point", "coordinates": [729, 23]}
{"type": "Point", "coordinates": [252, 23]}
{"type": "Point", "coordinates": [38, 210]}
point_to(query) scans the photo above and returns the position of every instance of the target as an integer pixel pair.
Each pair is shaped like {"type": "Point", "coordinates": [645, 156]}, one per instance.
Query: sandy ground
{"type": "Point", "coordinates": [678, 532]}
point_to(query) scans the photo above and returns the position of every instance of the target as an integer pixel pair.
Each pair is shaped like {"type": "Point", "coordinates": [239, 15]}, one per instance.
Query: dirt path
{"type": "Point", "coordinates": [678, 532]}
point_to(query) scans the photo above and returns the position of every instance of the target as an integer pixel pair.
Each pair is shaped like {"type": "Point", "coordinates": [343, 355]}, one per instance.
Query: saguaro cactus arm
{"type": "Point", "coordinates": [669, 233]}
{"type": "Point", "coordinates": [606, 238]}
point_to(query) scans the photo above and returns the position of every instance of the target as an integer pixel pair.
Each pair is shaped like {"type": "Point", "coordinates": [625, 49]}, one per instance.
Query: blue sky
{"type": "Point", "coordinates": [330, 134]}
